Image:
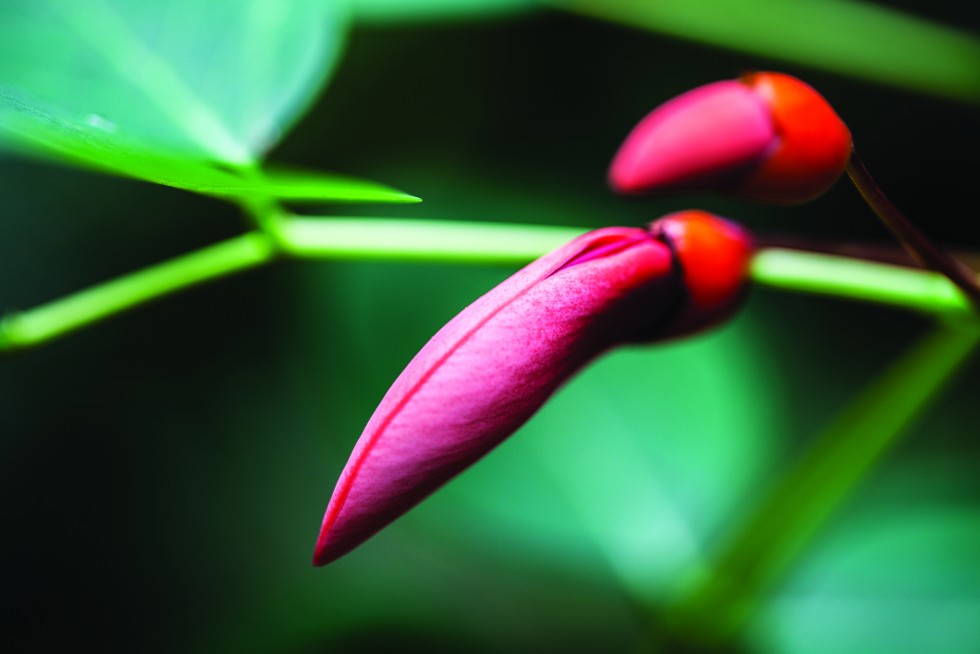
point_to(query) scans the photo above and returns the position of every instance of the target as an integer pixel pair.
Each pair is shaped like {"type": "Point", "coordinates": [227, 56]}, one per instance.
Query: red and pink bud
{"type": "Point", "coordinates": [766, 136]}
{"type": "Point", "coordinates": [490, 368]}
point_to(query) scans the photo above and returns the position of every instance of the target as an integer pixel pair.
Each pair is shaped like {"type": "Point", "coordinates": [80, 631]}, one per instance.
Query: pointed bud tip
{"type": "Point", "coordinates": [322, 554]}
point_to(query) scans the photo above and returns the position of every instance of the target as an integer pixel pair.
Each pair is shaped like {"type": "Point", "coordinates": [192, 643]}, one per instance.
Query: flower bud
{"type": "Point", "coordinates": [492, 366]}
{"type": "Point", "coordinates": [767, 137]}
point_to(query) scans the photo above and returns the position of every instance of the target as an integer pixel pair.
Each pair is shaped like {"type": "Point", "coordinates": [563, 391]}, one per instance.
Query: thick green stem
{"type": "Point", "coordinates": [49, 321]}
{"type": "Point", "coordinates": [422, 240]}
{"type": "Point", "coordinates": [447, 242]}
{"type": "Point", "coordinates": [719, 602]}
{"type": "Point", "coordinates": [859, 279]}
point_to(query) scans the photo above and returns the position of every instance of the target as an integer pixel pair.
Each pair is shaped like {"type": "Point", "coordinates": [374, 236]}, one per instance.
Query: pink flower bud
{"type": "Point", "coordinates": [491, 367]}
{"type": "Point", "coordinates": [766, 136]}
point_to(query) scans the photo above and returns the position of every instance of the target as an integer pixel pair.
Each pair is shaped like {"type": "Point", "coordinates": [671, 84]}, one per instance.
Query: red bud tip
{"type": "Point", "coordinates": [714, 256]}
{"type": "Point", "coordinates": [812, 148]}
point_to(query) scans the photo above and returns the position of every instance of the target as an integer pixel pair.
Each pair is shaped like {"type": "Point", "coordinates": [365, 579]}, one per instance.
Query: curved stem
{"type": "Point", "coordinates": [927, 253]}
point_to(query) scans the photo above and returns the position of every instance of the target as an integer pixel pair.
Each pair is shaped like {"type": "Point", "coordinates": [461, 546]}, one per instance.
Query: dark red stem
{"type": "Point", "coordinates": [916, 243]}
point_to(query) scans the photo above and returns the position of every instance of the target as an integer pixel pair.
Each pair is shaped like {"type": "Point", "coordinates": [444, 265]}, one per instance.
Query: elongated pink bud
{"type": "Point", "coordinates": [491, 367]}
{"type": "Point", "coordinates": [766, 136]}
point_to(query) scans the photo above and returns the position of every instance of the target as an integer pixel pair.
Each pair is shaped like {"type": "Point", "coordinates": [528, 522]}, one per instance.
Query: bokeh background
{"type": "Point", "coordinates": [163, 475]}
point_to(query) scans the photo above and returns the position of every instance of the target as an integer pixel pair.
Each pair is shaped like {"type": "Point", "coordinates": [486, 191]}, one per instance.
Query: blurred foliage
{"type": "Point", "coordinates": [891, 578]}
{"type": "Point", "coordinates": [848, 36]}
{"type": "Point", "coordinates": [217, 81]}
{"type": "Point", "coordinates": [184, 94]}
{"type": "Point", "coordinates": [164, 474]}
{"type": "Point", "coordinates": [392, 11]}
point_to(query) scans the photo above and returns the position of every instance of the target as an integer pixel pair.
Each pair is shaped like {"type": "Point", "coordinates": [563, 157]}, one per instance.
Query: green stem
{"type": "Point", "coordinates": [49, 321]}
{"type": "Point", "coordinates": [501, 243]}
{"type": "Point", "coordinates": [448, 242]}
{"type": "Point", "coordinates": [422, 240]}
{"type": "Point", "coordinates": [263, 211]}
{"type": "Point", "coordinates": [721, 600]}
{"type": "Point", "coordinates": [859, 279]}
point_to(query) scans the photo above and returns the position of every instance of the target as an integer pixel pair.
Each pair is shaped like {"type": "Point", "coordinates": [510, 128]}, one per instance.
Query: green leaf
{"type": "Point", "coordinates": [846, 36]}
{"type": "Point", "coordinates": [291, 185]}
{"type": "Point", "coordinates": [102, 152]}
{"type": "Point", "coordinates": [94, 81]}
{"type": "Point", "coordinates": [35, 133]}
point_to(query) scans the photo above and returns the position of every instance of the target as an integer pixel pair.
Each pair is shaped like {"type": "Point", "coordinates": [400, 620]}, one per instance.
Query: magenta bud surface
{"type": "Point", "coordinates": [490, 368]}
{"type": "Point", "coordinates": [706, 137]}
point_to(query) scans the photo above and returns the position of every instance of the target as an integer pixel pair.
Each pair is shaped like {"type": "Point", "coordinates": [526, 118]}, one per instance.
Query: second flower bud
{"type": "Point", "coordinates": [766, 136]}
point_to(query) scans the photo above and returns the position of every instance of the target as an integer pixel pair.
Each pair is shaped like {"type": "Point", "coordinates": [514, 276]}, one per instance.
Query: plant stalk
{"type": "Point", "coordinates": [916, 243]}
{"type": "Point", "coordinates": [446, 242]}
{"type": "Point", "coordinates": [47, 322]}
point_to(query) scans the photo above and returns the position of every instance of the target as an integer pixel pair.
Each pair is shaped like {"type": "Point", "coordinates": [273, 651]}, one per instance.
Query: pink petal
{"type": "Point", "coordinates": [490, 368]}
{"type": "Point", "coordinates": [708, 137]}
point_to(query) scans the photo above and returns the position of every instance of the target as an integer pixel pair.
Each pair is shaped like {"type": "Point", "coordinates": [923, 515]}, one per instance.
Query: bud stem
{"type": "Point", "coordinates": [915, 242]}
